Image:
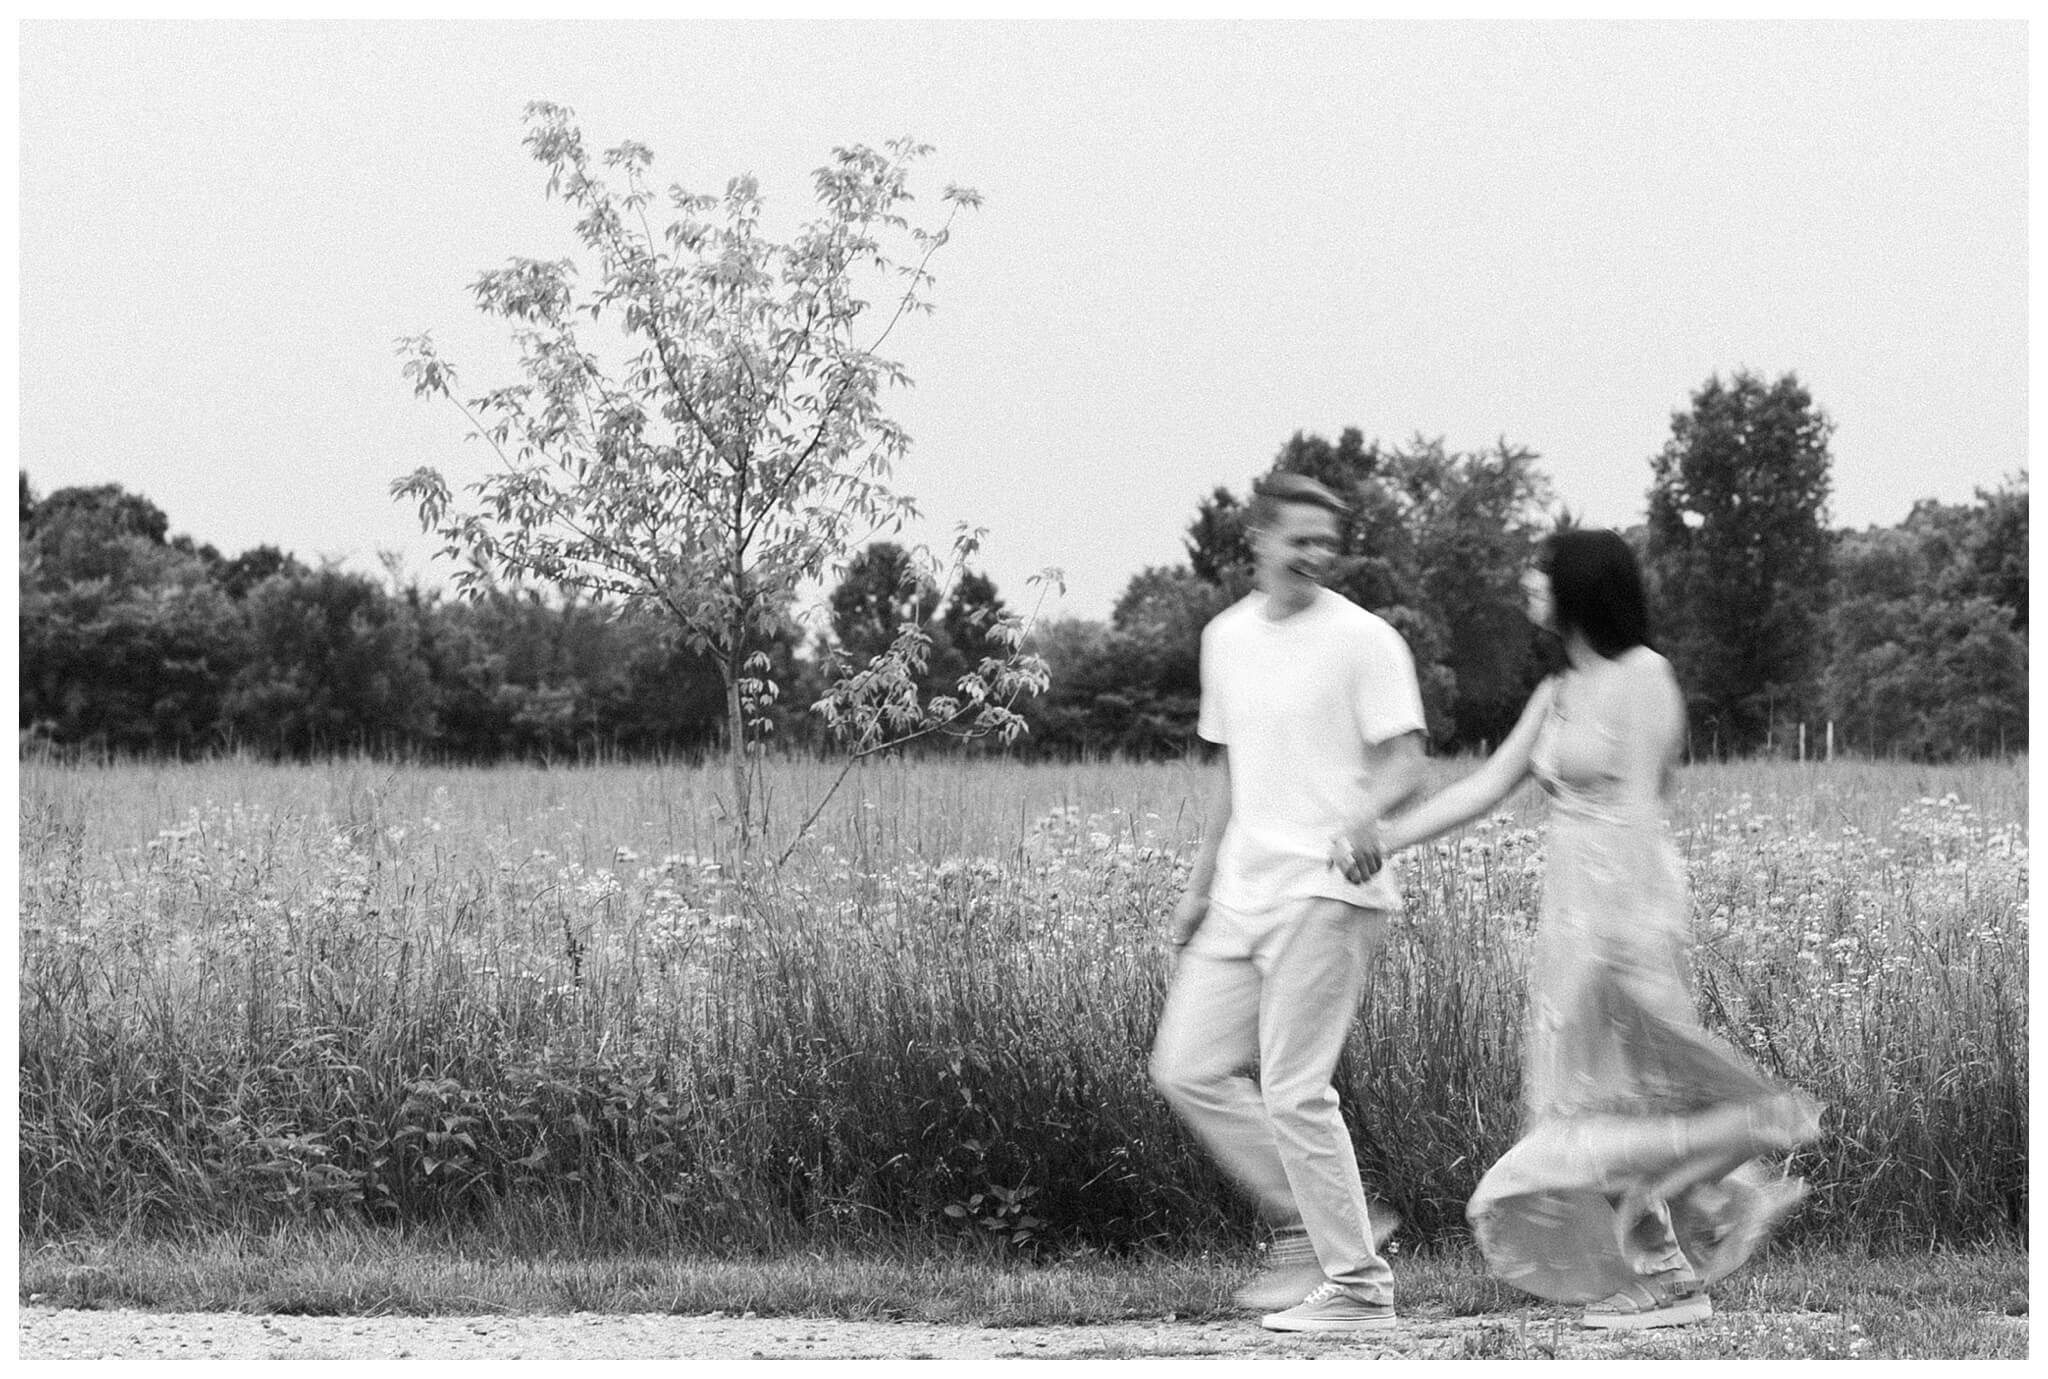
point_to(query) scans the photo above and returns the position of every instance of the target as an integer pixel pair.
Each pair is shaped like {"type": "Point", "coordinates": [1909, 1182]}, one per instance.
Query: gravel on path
{"type": "Point", "coordinates": [50, 1334]}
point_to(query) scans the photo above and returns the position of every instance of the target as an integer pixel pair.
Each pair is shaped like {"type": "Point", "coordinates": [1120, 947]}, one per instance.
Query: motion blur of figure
{"type": "Point", "coordinates": [1315, 705]}
{"type": "Point", "coordinates": [1638, 1180]}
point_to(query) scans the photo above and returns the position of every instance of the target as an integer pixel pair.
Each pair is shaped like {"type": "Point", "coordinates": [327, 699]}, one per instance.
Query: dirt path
{"type": "Point", "coordinates": [50, 1334]}
{"type": "Point", "coordinates": [47, 1334]}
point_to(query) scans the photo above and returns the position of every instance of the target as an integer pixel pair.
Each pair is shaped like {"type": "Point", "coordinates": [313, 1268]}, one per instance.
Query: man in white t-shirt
{"type": "Point", "coordinates": [1314, 703]}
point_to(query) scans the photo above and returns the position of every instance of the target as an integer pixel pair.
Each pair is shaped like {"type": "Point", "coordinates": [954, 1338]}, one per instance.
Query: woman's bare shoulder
{"type": "Point", "coordinates": [1646, 666]}
{"type": "Point", "coordinates": [1649, 691]}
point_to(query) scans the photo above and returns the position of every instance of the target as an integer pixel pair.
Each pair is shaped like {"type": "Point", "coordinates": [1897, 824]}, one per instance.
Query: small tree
{"type": "Point", "coordinates": [742, 448]}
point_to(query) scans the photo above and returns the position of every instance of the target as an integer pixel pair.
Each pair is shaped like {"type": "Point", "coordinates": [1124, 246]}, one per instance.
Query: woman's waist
{"type": "Point", "coordinates": [1568, 807]}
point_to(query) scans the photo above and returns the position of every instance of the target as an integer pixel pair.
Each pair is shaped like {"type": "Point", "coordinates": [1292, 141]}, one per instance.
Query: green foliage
{"type": "Point", "coordinates": [86, 535]}
{"type": "Point", "coordinates": [237, 577]}
{"type": "Point", "coordinates": [921, 686]}
{"type": "Point", "coordinates": [1927, 631]}
{"type": "Point", "coordinates": [1218, 548]}
{"type": "Point", "coordinates": [1001, 1214]}
{"type": "Point", "coordinates": [1134, 686]}
{"type": "Point", "coordinates": [126, 643]}
{"type": "Point", "coordinates": [130, 668]}
{"type": "Point", "coordinates": [518, 675]}
{"type": "Point", "coordinates": [99, 515]}
{"type": "Point", "coordinates": [879, 593]}
{"type": "Point", "coordinates": [1454, 532]}
{"type": "Point", "coordinates": [1962, 550]}
{"type": "Point", "coordinates": [887, 589]}
{"type": "Point", "coordinates": [1738, 553]}
{"type": "Point", "coordinates": [739, 451]}
{"type": "Point", "coordinates": [1435, 545]}
{"type": "Point", "coordinates": [1926, 677]}
{"type": "Point", "coordinates": [333, 664]}
{"type": "Point", "coordinates": [743, 443]}
{"type": "Point", "coordinates": [969, 629]}
{"type": "Point", "coordinates": [134, 639]}
{"type": "Point", "coordinates": [1998, 551]}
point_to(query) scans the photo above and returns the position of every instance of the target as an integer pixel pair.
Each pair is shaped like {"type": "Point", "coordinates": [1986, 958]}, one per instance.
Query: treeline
{"type": "Point", "coordinates": [135, 641]}
{"type": "Point", "coordinates": [1910, 640]}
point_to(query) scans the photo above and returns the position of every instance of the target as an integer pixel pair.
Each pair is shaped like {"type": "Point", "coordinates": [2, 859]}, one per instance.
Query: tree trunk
{"type": "Point", "coordinates": [736, 747]}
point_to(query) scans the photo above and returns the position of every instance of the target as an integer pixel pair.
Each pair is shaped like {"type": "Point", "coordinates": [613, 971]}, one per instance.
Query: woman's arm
{"type": "Point", "coordinates": [1471, 796]}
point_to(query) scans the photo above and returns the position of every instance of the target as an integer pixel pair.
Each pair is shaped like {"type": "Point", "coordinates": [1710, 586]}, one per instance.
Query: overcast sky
{"type": "Point", "coordinates": [1197, 240]}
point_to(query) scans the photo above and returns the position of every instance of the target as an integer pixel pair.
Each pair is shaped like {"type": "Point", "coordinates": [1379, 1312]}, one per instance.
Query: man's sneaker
{"type": "Point", "coordinates": [1292, 1268]}
{"type": "Point", "coordinates": [1638, 1307]}
{"type": "Point", "coordinates": [1331, 1307]}
{"type": "Point", "coordinates": [1291, 1271]}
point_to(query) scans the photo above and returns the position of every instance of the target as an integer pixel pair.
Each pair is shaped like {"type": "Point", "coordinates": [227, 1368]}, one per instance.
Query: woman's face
{"type": "Point", "coordinates": [1536, 600]}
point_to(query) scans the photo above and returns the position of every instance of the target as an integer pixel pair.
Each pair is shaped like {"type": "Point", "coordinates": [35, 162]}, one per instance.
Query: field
{"type": "Point", "coordinates": [548, 1002]}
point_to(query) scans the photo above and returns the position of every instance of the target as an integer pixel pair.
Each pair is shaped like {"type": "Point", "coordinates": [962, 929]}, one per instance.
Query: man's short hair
{"type": "Point", "coordinates": [1269, 493]}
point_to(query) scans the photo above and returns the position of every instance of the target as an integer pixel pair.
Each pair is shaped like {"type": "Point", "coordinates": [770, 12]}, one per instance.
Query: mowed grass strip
{"type": "Point", "coordinates": [1789, 1304]}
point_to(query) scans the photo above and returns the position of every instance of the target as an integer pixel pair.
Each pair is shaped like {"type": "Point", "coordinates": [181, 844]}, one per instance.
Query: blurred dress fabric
{"type": "Point", "coordinates": [1642, 1132]}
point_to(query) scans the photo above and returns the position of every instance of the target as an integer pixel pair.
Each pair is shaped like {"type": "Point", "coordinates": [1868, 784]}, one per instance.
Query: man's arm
{"type": "Point", "coordinates": [1193, 906]}
{"type": "Point", "coordinates": [1459, 803]}
{"type": "Point", "coordinates": [1395, 767]}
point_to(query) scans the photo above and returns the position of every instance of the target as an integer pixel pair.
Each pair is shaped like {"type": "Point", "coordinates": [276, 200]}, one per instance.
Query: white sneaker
{"type": "Point", "coordinates": [1292, 1269]}
{"type": "Point", "coordinates": [1331, 1307]}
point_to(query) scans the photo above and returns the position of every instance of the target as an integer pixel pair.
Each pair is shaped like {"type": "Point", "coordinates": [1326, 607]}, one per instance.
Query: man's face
{"type": "Point", "coordinates": [1295, 550]}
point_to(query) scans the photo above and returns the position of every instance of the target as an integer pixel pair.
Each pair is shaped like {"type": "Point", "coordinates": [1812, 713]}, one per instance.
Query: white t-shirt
{"type": "Point", "coordinates": [1297, 702]}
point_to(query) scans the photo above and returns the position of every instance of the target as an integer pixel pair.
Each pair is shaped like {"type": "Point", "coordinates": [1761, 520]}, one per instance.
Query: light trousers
{"type": "Point", "coordinates": [1281, 990]}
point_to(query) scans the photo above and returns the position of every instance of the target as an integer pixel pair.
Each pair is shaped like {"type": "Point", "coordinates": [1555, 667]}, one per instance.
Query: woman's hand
{"type": "Point", "coordinates": [1356, 854]}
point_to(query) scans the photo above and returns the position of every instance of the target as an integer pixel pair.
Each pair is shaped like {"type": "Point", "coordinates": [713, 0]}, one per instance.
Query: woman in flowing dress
{"type": "Point", "coordinates": [1637, 1181]}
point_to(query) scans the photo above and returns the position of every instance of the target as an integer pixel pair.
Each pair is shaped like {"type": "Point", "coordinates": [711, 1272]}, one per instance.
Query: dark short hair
{"type": "Point", "coordinates": [1275, 489]}
{"type": "Point", "coordinates": [1596, 586]}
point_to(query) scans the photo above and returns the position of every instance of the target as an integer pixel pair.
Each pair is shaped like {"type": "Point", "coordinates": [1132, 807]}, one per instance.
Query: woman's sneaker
{"type": "Point", "coordinates": [1331, 1307]}
{"type": "Point", "coordinates": [1638, 1307]}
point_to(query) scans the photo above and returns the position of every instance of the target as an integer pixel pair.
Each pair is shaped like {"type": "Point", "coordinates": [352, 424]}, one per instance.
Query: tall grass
{"type": "Point", "coordinates": [547, 1000]}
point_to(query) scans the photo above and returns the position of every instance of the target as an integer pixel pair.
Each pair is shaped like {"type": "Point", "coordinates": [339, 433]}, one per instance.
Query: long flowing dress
{"type": "Point", "coordinates": [1642, 1132]}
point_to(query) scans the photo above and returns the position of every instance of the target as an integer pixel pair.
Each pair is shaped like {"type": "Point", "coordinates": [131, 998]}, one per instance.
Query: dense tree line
{"type": "Point", "coordinates": [1927, 630]}
{"type": "Point", "coordinates": [1910, 639]}
{"type": "Point", "coordinates": [1907, 640]}
{"type": "Point", "coordinates": [136, 641]}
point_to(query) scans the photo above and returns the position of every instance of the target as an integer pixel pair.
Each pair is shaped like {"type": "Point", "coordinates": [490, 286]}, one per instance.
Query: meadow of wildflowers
{"type": "Point", "coordinates": [553, 1001]}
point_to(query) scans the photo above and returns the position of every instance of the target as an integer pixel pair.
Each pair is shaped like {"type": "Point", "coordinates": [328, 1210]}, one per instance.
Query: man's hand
{"type": "Point", "coordinates": [1188, 914]}
{"type": "Point", "coordinates": [1355, 853]}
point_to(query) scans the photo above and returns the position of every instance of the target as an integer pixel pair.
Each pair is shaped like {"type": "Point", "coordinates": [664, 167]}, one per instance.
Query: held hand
{"type": "Point", "coordinates": [1356, 854]}
{"type": "Point", "coordinates": [1188, 914]}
